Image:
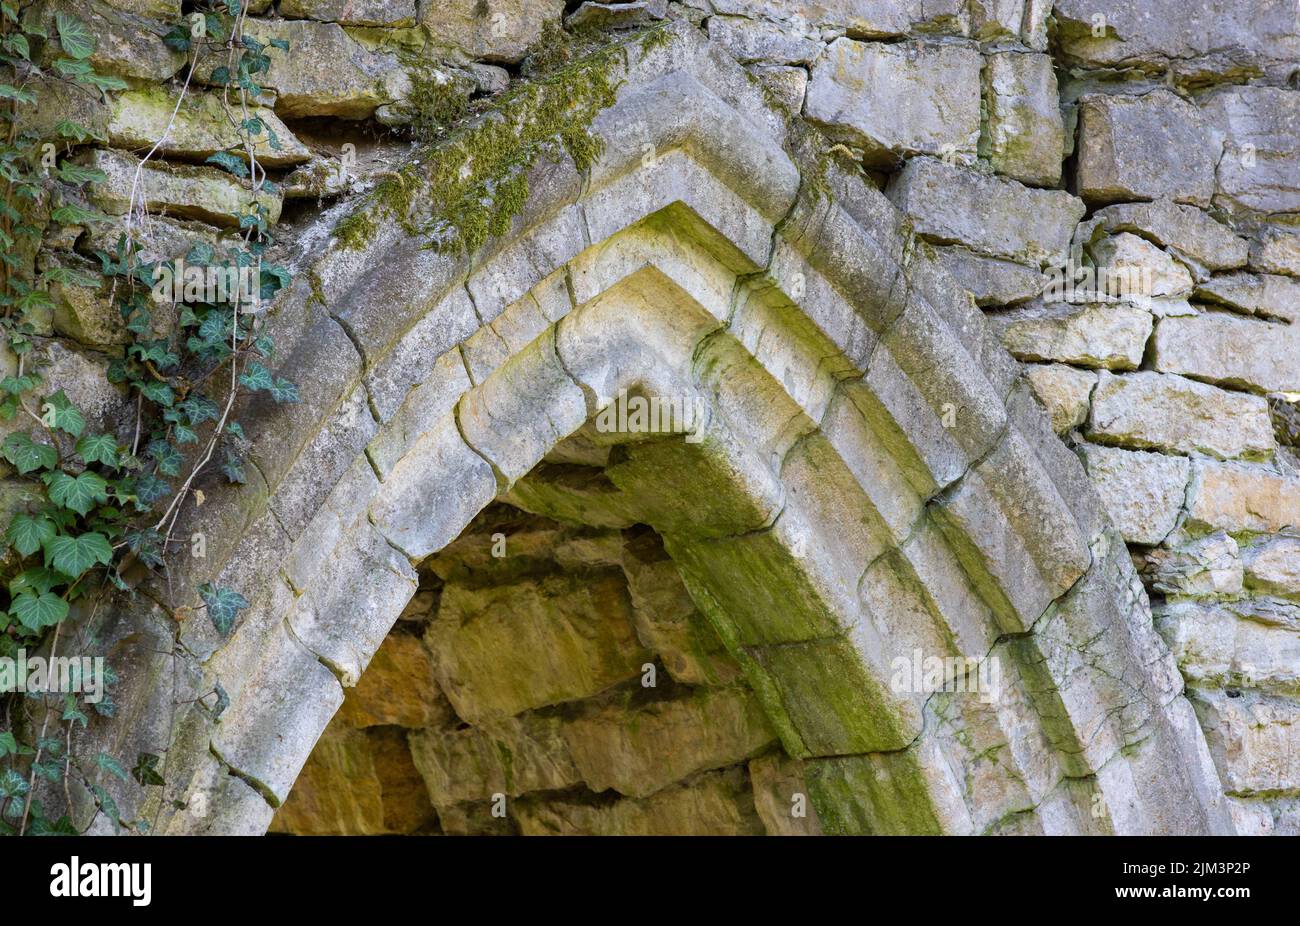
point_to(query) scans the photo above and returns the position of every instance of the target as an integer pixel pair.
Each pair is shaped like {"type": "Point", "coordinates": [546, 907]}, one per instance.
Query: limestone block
{"type": "Point", "coordinates": [508, 756]}
{"type": "Point", "coordinates": [992, 216]}
{"type": "Point", "coordinates": [356, 783]}
{"type": "Point", "coordinates": [1187, 232]}
{"type": "Point", "coordinates": [1243, 498]}
{"type": "Point", "coordinates": [1241, 37]}
{"type": "Point", "coordinates": [617, 15]}
{"type": "Point", "coordinates": [1109, 336]}
{"type": "Point", "coordinates": [1143, 492]}
{"type": "Point", "coordinates": [1064, 391]}
{"type": "Point", "coordinates": [325, 72]}
{"type": "Point", "coordinates": [1264, 294]}
{"type": "Point", "coordinates": [398, 688]}
{"type": "Point", "coordinates": [781, 796]}
{"type": "Point", "coordinates": [1025, 125]}
{"type": "Point", "coordinates": [1276, 250]}
{"type": "Point", "coordinates": [897, 100]}
{"type": "Point", "coordinates": [352, 12]}
{"type": "Point", "coordinates": [1259, 130]}
{"type": "Point", "coordinates": [1143, 147]}
{"type": "Point", "coordinates": [1223, 348]}
{"type": "Point", "coordinates": [433, 491]}
{"type": "Point", "coordinates": [713, 804]}
{"type": "Point", "coordinates": [638, 749]}
{"type": "Point", "coordinates": [992, 281]}
{"type": "Point", "coordinates": [126, 44]}
{"type": "Point", "coordinates": [1273, 565]}
{"type": "Point", "coordinates": [191, 192]}
{"type": "Point", "coordinates": [1163, 411]}
{"type": "Point", "coordinates": [499, 651]}
{"type": "Point", "coordinates": [756, 40]}
{"type": "Point", "coordinates": [1255, 739]}
{"type": "Point", "coordinates": [1210, 565]}
{"type": "Point", "coordinates": [201, 126]}
{"type": "Point", "coordinates": [498, 31]}
{"type": "Point", "coordinates": [1151, 271]}
{"type": "Point", "coordinates": [1218, 648]}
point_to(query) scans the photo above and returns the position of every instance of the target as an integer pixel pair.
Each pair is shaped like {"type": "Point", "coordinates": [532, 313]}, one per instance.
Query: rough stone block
{"type": "Point", "coordinates": [1109, 336]}
{"type": "Point", "coordinates": [1143, 492]}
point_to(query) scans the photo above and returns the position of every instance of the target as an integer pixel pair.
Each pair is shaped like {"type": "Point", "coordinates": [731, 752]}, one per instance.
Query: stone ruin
{"type": "Point", "coordinates": [834, 227]}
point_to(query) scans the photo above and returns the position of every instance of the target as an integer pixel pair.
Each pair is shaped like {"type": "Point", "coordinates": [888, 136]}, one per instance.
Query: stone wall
{"type": "Point", "coordinates": [1156, 141]}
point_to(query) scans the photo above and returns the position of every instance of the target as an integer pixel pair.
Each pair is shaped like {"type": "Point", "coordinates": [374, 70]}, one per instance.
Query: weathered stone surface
{"type": "Point", "coordinates": [352, 12]}
{"type": "Point", "coordinates": [1209, 565]}
{"type": "Point", "coordinates": [1272, 565]}
{"type": "Point", "coordinates": [989, 215]}
{"type": "Point", "coordinates": [199, 127]}
{"type": "Point", "coordinates": [894, 100]}
{"type": "Point", "coordinates": [510, 756]}
{"type": "Point", "coordinates": [1025, 126]}
{"type": "Point", "coordinates": [1064, 391]}
{"type": "Point", "coordinates": [1255, 739]}
{"type": "Point", "coordinates": [357, 783]}
{"type": "Point", "coordinates": [781, 796]}
{"type": "Point", "coordinates": [1166, 412]}
{"type": "Point", "coordinates": [1259, 131]}
{"type": "Point", "coordinates": [1143, 147]}
{"type": "Point", "coordinates": [637, 749]}
{"type": "Point", "coordinates": [617, 15]}
{"type": "Point", "coordinates": [491, 32]}
{"type": "Point", "coordinates": [1243, 498]}
{"type": "Point", "coordinates": [1263, 294]}
{"type": "Point", "coordinates": [499, 651]}
{"type": "Point", "coordinates": [1189, 233]}
{"type": "Point", "coordinates": [667, 621]}
{"type": "Point", "coordinates": [713, 804]}
{"type": "Point", "coordinates": [1142, 492]}
{"type": "Point", "coordinates": [991, 280]}
{"type": "Point", "coordinates": [1150, 271]}
{"type": "Point", "coordinates": [1276, 250]}
{"type": "Point", "coordinates": [1098, 335]}
{"type": "Point", "coordinates": [1222, 348]}
{"type": "Point", "coordinates": [788, 84]}
{"type": "Point", "coordinates": [1243, 38]}
{"type": "Point", "coordinates": [756, 40]}
{"type": "Point", "coordinates": [398, 688]}
{"type": "Point", "coordinates": [126, 45]}
{"type": "Point", "coordinates": [326, 72]}
{"type": "Point", "coordinates": [192, 192]}
{"type": "Point", "coordinates": [1216, 647]}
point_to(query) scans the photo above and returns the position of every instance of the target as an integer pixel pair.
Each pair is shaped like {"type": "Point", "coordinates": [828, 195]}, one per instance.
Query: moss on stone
{"type": "Point", "coordinates": [471, 186]}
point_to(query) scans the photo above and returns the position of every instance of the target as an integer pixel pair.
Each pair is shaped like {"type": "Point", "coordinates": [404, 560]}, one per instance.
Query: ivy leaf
{"type": "Point", "coordinates": [98, 448]}
{"type": "Point", "coordinates": [168, 457]}
{"type": "Point", "coordinates": [12, 784]}
{"type": "Point", "coordinates": [224, 604]}
{"type": "Point", "coordinates": [74, 555]}
{"type": "Point", "coordinates": [257, 377]}
{"type": "Point", "coordinates": [233, 467]}
{"type": "Point", "coordinates": [8, 745]}
{"type": "Point", "coordinates": [283, 391]}
{"type": "Point", "coordinates": [28, 534]}
{"type": "Point", "coordinates": [80, 492]}
{"type": "Point", "coordinates": [103, 81]}
{"type": "Point", "coordinates": [75, 173]}
{"type": "Point", "coordinates": [58, 412]}
{"type": "Point", "coordinates": [229, 163]}
{"type": "Point", "coordinates": [157, 392]}
{"type": "Point", "coordinates": [223, 701]}
{"type": "Point", "coordinates": [74, 36]}
{"type": "Point", "coordinates": [109, 806]}
{"type": "Point", "coordinates": [38, 611]}
{"type": "Point", "coordinates": [146, 769]}
{"type": "Point", "coordinates": [27, 455]}
{"type": "Point", "coordinates": [110, 765]}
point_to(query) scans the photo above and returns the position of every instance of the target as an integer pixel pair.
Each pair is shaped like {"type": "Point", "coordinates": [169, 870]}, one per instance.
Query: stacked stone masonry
{"type": "Point", "coordinates": [1149, 144]}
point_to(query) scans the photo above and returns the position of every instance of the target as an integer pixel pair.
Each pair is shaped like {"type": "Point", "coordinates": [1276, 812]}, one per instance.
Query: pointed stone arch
{"type": "Point", "coordinates": [875, 479]}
